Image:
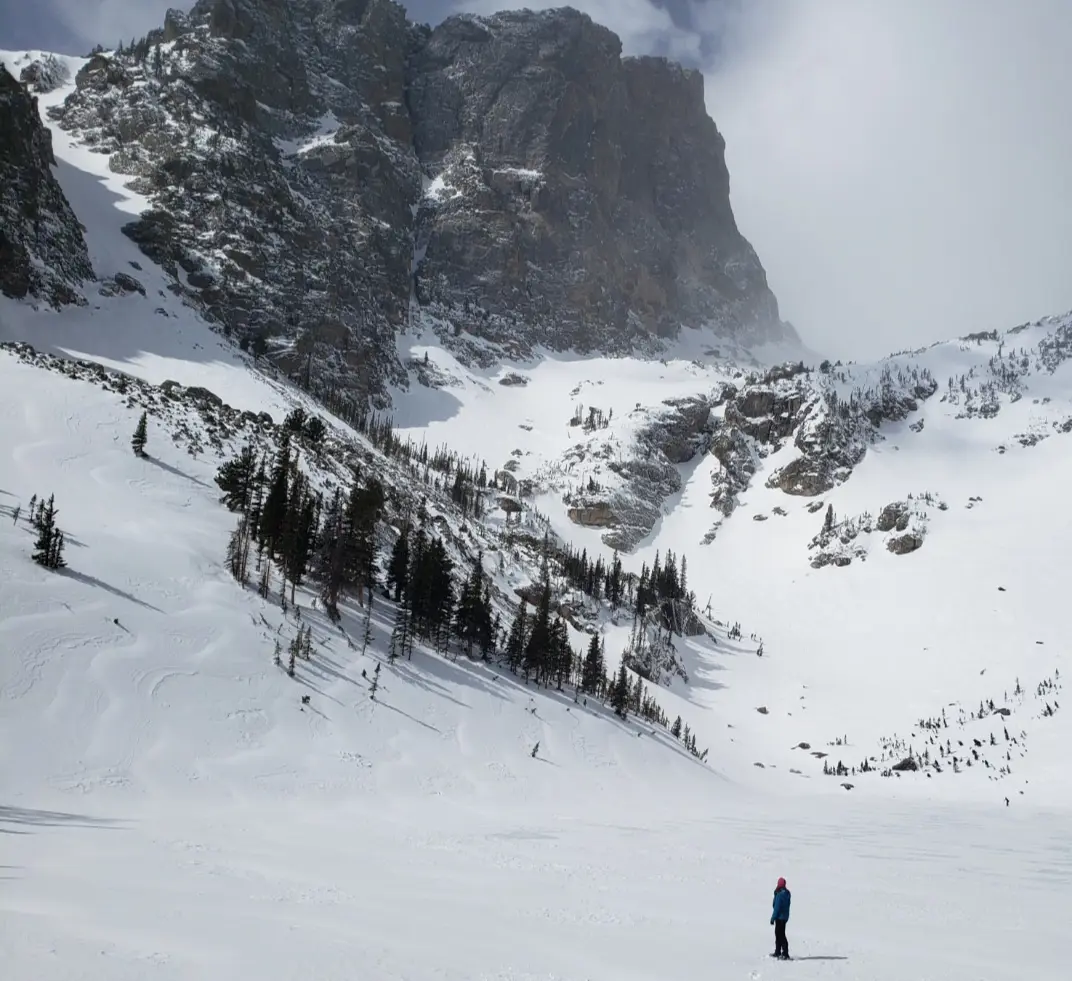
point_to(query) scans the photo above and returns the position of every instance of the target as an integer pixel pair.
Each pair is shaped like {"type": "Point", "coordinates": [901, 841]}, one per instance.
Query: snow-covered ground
{"type": "Point", "coordinates": [170, 809]}
{"type": "Point", "coordinates": [862, 653]}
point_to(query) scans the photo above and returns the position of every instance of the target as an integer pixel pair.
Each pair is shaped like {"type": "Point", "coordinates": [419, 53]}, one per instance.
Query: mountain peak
{"type": "Point", "coordinates": [322, 176]}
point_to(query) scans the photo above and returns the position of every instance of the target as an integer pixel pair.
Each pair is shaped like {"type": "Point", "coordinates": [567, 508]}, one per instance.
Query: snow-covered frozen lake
{"type": "Point", "coordinates": [571, 889]}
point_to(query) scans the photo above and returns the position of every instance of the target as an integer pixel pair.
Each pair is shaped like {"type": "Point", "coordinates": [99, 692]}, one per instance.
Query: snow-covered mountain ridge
{"type": "Point", "coordinates": [317, 175]}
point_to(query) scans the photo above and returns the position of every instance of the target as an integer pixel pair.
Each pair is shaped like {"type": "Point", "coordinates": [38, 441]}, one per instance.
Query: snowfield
{"type": "Point", "coordinates": [170, 808]}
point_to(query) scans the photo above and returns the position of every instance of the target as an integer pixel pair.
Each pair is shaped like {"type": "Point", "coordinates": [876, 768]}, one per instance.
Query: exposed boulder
{"type": "Point", "coordinates": [680, 433]}
{"type": "Point", "coordinates": [894, 516]}
{"type": "Point", "coordinates": [598, 515]}
{"type": "Point", "coordinates": [903, 544]}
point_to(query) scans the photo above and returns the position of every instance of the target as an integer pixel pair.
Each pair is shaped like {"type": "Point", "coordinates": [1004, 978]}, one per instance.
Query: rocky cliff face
{"type": "Point", "coordinates": [582, 199]}
{"type": "Point", "coordinates": [324, 174]}
{"type": "Point", "coordinates": [42, 251]}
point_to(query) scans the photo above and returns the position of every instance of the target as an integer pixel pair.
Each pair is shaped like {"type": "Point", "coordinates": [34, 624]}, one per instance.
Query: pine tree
{"type": "Point", "coordinates": [48, 549]}
{"type": "Point", "coordinates": [56, 560]}
{"type": "Point", "coordinates": [538, 646]}
{"type": "Point", "coordinates": [375, 686]}
{"type": "Point", "coordinates": [594, 669]}
{"type": "Point", "coordinates": [398, 566]}
{"type": "Point", "coordinates": [140, 437]}
{"type": "Point", "coordinates": [515, 640]}
{"type": "Point", "coordinates": [472, 618]}
{"type": "Point", "coordinates": [619, 696]}
{"type": "Point", "coordinates": [366, 634]}
{"type": "Point", "coordinates": [265, 586]}
{"type": "Point", "coordinates": [238, 551]}
{"type": "Point", "coordinates": [237, 478]}
{"type": "Point", "coordinates": [400, 633]}
{"type": "Point", "coordinates": [274, 514]}
{"type": "Point", "coordinates": [675, 729]}
{"type": "Point", "coordinates": [277, 654]}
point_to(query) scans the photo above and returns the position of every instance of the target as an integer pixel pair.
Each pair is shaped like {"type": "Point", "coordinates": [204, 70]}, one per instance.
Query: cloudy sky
{"type": "Point", "coordinates": [903, 167]}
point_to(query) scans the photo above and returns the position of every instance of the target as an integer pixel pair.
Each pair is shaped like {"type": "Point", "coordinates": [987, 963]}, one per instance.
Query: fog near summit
{"type": "Point", "coordinates": [902, 167]}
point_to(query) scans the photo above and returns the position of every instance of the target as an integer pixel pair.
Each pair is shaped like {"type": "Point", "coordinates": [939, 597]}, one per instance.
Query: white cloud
{"type": "Point", "coordinates": [642, 27]}
{"type": "Point", "coordinates": [107, 22]}
{"type": "Point", "coordinates": [903, 168]}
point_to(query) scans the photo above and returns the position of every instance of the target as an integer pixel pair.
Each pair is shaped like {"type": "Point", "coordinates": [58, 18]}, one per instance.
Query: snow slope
{"type": "Point", "coordinates": [864, 652]}
{"type": "Point", "coordinates": [170, 809]}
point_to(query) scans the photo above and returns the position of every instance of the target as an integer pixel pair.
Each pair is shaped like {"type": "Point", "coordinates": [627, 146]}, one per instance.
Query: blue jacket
{"type": "Point", "coordinates": [781, 905]}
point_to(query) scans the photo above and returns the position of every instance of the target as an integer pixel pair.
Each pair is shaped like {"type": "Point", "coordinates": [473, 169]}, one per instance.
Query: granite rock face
{"type": "Point", "coordinates": [42, 251]}
{"type": "Point", "coordinates": [582, 198]}
{"type": "Point", "coordinates": [324, 174]}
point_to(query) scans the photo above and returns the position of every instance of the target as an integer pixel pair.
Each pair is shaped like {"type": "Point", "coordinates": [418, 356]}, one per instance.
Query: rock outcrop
{"type": "Point", "coordinates": [42, 251]}
{"type": "Point", "coordinates": [324, 174]}
{"type": "Point", "coordinates": [580, 199]}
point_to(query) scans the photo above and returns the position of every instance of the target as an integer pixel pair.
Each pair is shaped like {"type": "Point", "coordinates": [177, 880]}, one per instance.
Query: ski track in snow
{"type": "Point", "coordinates": [170, 810]}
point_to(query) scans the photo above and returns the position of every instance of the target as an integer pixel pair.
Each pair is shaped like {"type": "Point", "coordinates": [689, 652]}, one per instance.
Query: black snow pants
{"type": "Point", "coordinates": [781, 945]}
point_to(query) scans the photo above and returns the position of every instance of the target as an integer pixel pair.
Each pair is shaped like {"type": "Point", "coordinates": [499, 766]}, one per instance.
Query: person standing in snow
{"type": "Point", "coordinates": [779, 918]}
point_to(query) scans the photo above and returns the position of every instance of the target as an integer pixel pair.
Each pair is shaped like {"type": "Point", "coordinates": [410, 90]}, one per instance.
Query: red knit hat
{"type": "Point", "coordinates": [781, 883]}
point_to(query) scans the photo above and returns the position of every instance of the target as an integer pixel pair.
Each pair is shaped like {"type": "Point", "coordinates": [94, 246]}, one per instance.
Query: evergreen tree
{"type": "Point", "coordinates": [375, 686]}
{"type": "Point", "coordinates": [675, 729]}
{"type": "Point", "coordinates": [48, 549]}
{"type": "Point", "coordinates": [238, 551]}
{"type": "Point", "coordinates": [366, 634]}
{"type": "Point", "coordinates": [140, 437]}
{"type": "Point", "coordinates": [538, 646]}
{"type": "Point", "coordinates": [265, 585]}
{"type": "Point", "coordinates": [363, 510]}
{"type": "Point", "coordinates": [472, 618]}
{"type": "Point", "coordinates": [274, 514]}
{"type": "Point", "coordinates": [398, 566]}
{"type": "Point", "coordinates": [331, 556]}
{"type": "Point", "coordinates": [299, 528]}
{"type": "Point", "coordinates": [441, 596]}
{"type": "Point", "coordinates": [619, 696]}
{"type": "Point", "coordinates": [516, 639]}
{"type": "Point", "coordinates": [594, 668]}
{"type": "Point", "coordinates": [314, 432]}
{"type": "Point", "coordinates": [561, 653]}
{"type": "Point", "coordinates": [236, 478]}
{"type": "Point", "coordinates": [400, 633]}
{"type": "Point", "coordinates": [56, 560]}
